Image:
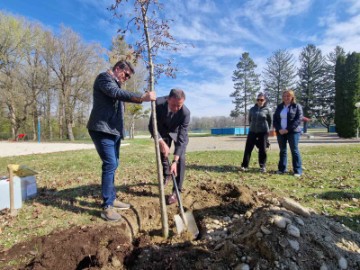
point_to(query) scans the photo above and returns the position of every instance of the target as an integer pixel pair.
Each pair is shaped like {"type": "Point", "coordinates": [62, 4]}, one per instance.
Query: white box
{"type": "Point", "coordinates": [24, 188]}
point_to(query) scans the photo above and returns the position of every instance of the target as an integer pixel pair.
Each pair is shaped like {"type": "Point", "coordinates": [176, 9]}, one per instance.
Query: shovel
{"type": "Point", "coordinates": [187, 219]}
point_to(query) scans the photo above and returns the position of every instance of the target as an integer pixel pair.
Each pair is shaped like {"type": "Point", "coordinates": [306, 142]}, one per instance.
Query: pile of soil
{"type": "Point", "coordinates": [239, 229]}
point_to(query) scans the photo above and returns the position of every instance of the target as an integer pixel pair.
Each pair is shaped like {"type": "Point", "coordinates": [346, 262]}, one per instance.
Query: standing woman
{"type": "Point", "coordinates": [287, 119]}
{"type": "Point", "coordinates": [260, 122]}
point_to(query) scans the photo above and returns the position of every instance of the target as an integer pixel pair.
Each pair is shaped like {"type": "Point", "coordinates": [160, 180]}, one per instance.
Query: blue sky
{"type": "Point", "coordinates": [220, 30]}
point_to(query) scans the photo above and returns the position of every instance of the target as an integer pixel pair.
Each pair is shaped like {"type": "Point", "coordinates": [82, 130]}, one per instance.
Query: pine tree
{"type": "Point", "coordinates": [246, 84]}
{"type": "Point", "coordinates": [311, 82]}
{"type": "Point", "coordinates": [279, 75]}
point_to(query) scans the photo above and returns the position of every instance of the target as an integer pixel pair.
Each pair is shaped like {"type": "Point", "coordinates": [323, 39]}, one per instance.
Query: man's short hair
{"type": "Point", "coordinates": [177, 93]}
{"type": "Point", "coordinates": [122, 64]}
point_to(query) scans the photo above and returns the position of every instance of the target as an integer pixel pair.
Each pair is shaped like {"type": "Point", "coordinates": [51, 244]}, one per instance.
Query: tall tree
{"type": "Point", "coordinates": [280, 74]}
{"type": "Point", "coordinates": [246, 84]}
{"type": "Point", "coordinates": [311, 83]}
{"type": "Point", "coordinates": [15, 36]}
{"type": "Point", "coordinates": [324, 110]}
{"type": "Point", "coordinates": [347, 94]}
{"type": "Point", "coordinates": [73, 64]}
{"type": "Point", "coordinates": [153, 27]}
{"type": "Point", "coordinates": [340, 94]}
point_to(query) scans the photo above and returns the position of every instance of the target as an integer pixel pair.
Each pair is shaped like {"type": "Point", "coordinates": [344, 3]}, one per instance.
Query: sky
{"type": "Point", "coordinates": [219, 32]}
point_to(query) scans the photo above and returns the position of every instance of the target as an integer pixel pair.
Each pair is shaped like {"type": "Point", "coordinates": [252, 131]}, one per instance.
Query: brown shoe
{"type": "Point", "coordinates": [172, 199]}
{"type": "Point", "coordinates": [110, 214]}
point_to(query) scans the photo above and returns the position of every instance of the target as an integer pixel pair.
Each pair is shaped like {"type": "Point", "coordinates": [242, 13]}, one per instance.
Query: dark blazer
{"type": "Point", "coordinates": [176, 128]}
{"type": "Point", "coordinates": [107, 114]}
{"type": "Point", "coordinates": [294, 117]}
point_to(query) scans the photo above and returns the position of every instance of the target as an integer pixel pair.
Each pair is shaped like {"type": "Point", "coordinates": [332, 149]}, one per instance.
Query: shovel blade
{"type": "Point", "coordinates": [180, 226]}
{"type": "Point", "coordinates": [191, 224]}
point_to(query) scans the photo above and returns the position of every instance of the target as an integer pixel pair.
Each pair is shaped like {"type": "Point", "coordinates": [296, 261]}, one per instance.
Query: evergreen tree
{"type": "Point", "coordinates": [325, 105]}
{"type": "Point", "coordinates": [246, 84]}
{"type": "Point", "coordinates": [279, 75]}
{"type": "Point", "coordinates": [311, 73]}
{"type": "Point", "coordinates": [340, 97]}
{"type": "Point", "coordinates": [347, 95]}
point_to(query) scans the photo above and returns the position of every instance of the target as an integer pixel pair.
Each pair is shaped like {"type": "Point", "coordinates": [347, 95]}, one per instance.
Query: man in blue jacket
{"type": "Point", "coordinates": [106, 128]}
{"type": "Point", "coordinates": [173, 118]}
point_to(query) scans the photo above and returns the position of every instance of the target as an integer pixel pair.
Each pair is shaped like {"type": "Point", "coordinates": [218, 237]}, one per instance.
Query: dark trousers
{"type": "Point", "coordinates": [253, 139]}
{"type": "Point", "coordinates": [108, 148]}
{"type": "Point", "coordinates": [180, 166]}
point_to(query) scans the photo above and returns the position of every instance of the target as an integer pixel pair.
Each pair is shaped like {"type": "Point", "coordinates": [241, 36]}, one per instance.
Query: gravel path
{"type": "Point", "coordinates": [195, 144]}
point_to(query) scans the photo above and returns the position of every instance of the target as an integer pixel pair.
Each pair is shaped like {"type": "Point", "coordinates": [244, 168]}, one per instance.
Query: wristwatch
{"type": "Point", "coordinates": [175, 161]}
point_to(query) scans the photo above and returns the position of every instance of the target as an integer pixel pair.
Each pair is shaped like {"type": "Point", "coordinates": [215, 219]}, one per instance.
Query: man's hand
{"type": "Point", "coordinates": [148, 96]}
{"type": "Point", "coordinates": [164, 148]}
{"type": "Point", "coordinates": [173, 168]}
{"type": "Point", "coordinates": [283, 131]}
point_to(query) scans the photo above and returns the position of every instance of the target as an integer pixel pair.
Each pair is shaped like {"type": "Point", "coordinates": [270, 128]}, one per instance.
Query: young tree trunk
{"type": "Point", "coordinates": [164, 217]}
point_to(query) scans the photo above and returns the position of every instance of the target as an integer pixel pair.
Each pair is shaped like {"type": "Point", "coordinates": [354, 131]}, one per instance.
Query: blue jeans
{"type": "Point", "coordinates": [293, 139]}
{"type": "Point", "coordinates": [108, 148]}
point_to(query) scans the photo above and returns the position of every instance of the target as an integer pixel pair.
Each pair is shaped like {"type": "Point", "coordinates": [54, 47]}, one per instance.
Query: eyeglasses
{"type": "Point", "coordinates": [260, 99]}
{"type": "Point", "coordinates": [127, 75]}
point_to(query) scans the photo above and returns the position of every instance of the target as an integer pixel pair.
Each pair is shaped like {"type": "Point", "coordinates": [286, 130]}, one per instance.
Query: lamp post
{"type": "Point", "coordinates": [357, 105]}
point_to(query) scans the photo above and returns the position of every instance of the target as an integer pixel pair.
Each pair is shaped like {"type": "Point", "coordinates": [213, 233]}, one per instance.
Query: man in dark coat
{"type": "Point", "coordinates": [173, 119]}
{"type": "Point", "coordinates": [106, 128]}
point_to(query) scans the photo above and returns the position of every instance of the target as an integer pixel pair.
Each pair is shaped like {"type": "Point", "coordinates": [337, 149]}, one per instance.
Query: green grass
{"type": "Point", "coordinates": [330, 184]}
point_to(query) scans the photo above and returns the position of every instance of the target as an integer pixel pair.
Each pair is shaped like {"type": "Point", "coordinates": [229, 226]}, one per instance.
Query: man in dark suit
{"type": "Point", "coordinates": [173, 119]}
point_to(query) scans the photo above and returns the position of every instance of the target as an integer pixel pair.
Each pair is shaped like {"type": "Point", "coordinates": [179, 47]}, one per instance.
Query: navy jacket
{"type": "Point", "coordinates": [260, 119]}
{"type": "Point", "coordinates": [176, 128]}
{"type": "Point", "coordinates": [107, 114]}
{"type": "Point", "coordinates": [294, 117]}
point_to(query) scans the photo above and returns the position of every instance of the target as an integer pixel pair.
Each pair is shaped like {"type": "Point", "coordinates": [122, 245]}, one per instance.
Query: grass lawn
{"type": "Point", "coordinates": [330, 185]}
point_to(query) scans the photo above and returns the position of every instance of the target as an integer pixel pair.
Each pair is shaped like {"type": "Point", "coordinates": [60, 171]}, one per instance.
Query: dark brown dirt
{"type": "Point", "coordinates": [237, 231]}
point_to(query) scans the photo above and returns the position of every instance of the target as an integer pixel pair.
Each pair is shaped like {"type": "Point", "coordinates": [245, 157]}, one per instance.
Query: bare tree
{"type": "Point", "coordinates": [155, 36]}
{"type": "Point", "coordinates": [73, 64]}
{"type": "Point", "coordinates": [15, 36]}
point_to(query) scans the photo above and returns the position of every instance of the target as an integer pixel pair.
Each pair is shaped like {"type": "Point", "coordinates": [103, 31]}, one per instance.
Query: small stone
{"type": "Point", "coordinates": [216, 221]}
{"type": "Point", "coordinates": [227, 219]}
{"type": "Point", "coordinates": [265, 230]}
{"type": "Point", "coordinates": [293, 266]}
{"type": "Point", "coordinates": [292, 230]}
{"type": "Point", "coordinates": [299, 221]}
{"type": "Point", "coordinates": [323, 267]}
{"type": "Point", "coordinates": [294, 244]}
{"type": "Point", "coordinates": [242, 266]}
{"type": "Point", "coordinates": [248, 214]}
{"type": "Point", "coordinates": [281, 222]}
{"type": "Point", "coordinates": [327, 238]}
{"type": "Point", "coordinates": [259, 235]}
{"type": "Point", "coordinates": [236, 216]}
{"type": "Point", "coordinates": [283, 242]}
{"type": "Point", "coordinates": [343, 263]}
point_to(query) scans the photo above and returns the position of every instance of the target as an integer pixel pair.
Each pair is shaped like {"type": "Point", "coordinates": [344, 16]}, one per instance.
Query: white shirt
{"type": "Point", "coordinates": [283, 117]}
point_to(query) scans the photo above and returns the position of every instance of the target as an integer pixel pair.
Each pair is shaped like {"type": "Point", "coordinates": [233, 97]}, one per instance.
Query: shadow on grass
{"type": "Point", "coordinates": [339, 195]}
{"type": "Point", "coordinates": [213, 168]}
{"type": "Point", "coordinates": [87, 197]}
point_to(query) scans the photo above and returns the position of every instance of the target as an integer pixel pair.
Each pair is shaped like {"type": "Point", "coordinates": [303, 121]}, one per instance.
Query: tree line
{"type": "Point", "coordinates": [327, 87]}
{"type": "Point", "coordinates": [46, 80]}
{"type": "Point", "coordinates": [46, 83]}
